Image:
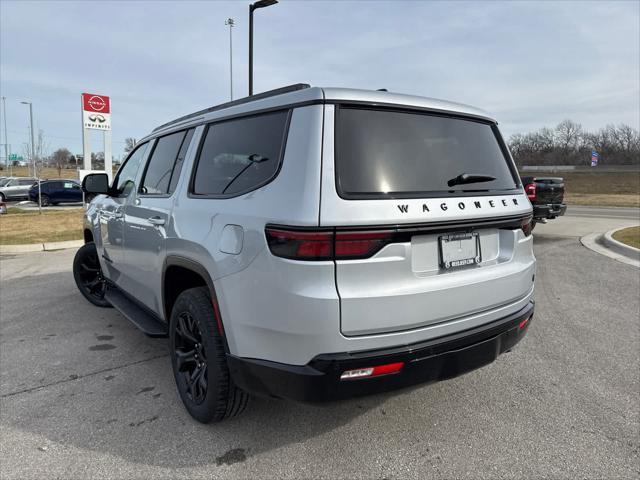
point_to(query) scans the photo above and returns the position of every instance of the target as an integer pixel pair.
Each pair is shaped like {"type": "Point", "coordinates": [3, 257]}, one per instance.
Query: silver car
{"type": "Point", "coordinates": [315, 244]}
{"type": "Point", "coordinates": [16, 188]}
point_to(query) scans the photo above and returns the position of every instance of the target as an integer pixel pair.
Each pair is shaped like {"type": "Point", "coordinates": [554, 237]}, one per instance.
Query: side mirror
{"type": "Point", "coordinates": [96, 183]}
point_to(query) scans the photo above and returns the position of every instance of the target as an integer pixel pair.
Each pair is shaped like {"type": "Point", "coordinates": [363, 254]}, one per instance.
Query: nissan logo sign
{"type": "Point", "coordinates": [97, 103]}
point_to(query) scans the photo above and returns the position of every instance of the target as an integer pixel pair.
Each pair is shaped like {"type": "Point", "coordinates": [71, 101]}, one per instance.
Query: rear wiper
{"type": "Point", "coordinates": [464, 178]}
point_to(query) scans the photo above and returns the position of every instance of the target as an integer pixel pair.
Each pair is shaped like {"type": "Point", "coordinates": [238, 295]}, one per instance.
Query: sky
{"type": "Point", "coordinates": [531, 64]}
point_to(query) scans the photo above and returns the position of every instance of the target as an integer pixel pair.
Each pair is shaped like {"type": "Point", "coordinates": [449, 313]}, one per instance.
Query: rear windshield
{"type": "Point", "coordinates": [391, 154]}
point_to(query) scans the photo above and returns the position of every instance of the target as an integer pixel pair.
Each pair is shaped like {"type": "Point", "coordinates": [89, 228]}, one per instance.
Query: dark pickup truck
{"type": "Point", "coordinates": [546, 195]}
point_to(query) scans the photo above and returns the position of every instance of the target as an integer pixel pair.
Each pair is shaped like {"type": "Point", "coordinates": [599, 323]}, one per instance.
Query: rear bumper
{"type": "Point", "coordinates": [551, 210]}
{"type": "Point", "coordinates": [425, 362]}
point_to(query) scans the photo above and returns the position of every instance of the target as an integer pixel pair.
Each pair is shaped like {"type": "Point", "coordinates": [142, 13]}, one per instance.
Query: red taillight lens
{"type": "Point", "coordinates": [359, 244]}
{"type": "Point", "coordinates": [325, 245]}
{"type": "Point", "coordinates": [300, 245]}
{"type": "Point", "coordinates": [530, 190]}
{"type": "Point", "coordinates": [527, 226]}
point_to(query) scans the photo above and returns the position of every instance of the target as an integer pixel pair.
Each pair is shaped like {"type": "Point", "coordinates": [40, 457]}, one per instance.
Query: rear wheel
{"type": "Point", "coordinates": [199, 362]}
{"type": "Point", "coordinates": [88, 275]}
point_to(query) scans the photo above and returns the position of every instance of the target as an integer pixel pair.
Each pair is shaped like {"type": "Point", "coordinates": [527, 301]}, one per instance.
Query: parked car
{"type": "Point", "coordinates": [54, 192]}
{"type": "Point", "coordinates": [16, 188]}
{"type": "Point", "coordinates": [546, 194]}
{"type": "Point", "coordinates": [315, 244]}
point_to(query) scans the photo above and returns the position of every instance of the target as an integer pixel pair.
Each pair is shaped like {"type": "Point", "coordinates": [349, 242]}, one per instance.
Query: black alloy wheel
{"type": "Point", "coordinates": [191, 359]}
{"type": "Point", "coordinates": [88, 275]}
{"type": "Point", "coordinates": [199, 359]}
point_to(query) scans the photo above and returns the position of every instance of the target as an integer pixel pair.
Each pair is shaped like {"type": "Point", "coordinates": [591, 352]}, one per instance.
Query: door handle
{"type": "Point", "coordinates": [156, 221]}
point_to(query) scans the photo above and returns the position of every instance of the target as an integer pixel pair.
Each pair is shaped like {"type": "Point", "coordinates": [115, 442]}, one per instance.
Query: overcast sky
{"type": "Point", "coordinates": [530, 63]}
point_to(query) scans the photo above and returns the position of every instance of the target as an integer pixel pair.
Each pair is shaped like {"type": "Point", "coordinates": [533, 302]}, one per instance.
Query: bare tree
{"type": "Point", "coordinates": [129, 144]}
{"type": "Point", "coordinates": [60, 159]}
{"type": "Point", "coordinates": [569, 136]}
{"type": "Point", "coordinates": [38, 156]}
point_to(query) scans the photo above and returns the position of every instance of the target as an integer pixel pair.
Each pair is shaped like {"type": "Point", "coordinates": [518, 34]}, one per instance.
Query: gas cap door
{"type": "Point", "coordinates": [231, 239]}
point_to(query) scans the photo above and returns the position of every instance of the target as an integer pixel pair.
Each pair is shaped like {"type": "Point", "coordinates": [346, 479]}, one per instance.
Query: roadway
{"type": "Point", "coordinates": [83, 394]}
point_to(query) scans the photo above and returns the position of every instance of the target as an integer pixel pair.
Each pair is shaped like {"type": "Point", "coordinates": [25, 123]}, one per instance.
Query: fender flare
{"type": "Point", "coordinates": [187, 263]}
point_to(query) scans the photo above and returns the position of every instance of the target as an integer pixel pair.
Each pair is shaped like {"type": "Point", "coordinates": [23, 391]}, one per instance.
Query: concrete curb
{"type": "Point", "coordinates": [619, 247]}
{"type": "Point", "coordinates": [40, 247]}
{"type": "Point", "coordinates": [595, 242]}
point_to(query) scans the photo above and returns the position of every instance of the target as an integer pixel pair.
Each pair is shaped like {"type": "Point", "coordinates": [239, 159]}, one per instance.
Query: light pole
{"type": "Point", "coordinates": [252, 7]}
{"type": "Point", "coordinates": [33, 155]}
{"type": "Point", "coordinates": [6, 146]}
{"type": "Point", "coordinates": [231, 23]}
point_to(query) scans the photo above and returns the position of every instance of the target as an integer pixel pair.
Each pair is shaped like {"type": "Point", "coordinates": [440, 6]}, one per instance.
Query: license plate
{"type": "Point", "coordinates": [459, 250]}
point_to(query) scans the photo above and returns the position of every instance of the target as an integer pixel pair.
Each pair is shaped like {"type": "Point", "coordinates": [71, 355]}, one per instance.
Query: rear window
{"type": "Point", "coordinates": [391, 154]}
{"type": "Point", "coordinates": [238, 156]}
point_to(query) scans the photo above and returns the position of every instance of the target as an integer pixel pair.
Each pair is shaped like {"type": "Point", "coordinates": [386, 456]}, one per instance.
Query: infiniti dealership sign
{"type": "Point", "coordinates": [96, 111]}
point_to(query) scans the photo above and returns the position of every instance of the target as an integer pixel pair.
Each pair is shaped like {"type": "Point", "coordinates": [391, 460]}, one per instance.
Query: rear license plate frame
{"type": "Point", "coordinates": [464, 260]}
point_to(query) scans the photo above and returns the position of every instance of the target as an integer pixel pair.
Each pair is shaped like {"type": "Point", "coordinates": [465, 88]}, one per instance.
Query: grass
{"type": "Point", "coordinates": [47, 172]}
{"type": "Point", "coordinates": [629, 236]}
{"type": "Point", "coordinates": [600, 189]}
{"type": "Point", "coordinates": [24, 227]}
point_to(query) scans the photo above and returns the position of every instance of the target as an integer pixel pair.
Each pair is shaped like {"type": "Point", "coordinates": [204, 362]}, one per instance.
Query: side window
{"type": "Point", "coordinates": [175, 176]}
{"type": "Point", "coordinates": [54, 186]}
{"type": "Point", "coordinates": [125, 179]}
{"type": "Point", "coordinates": [162, 166]}
{"type": "Point", "coordinates": [27, 181]}
{"type": "Point", "coordinates": [240, 155]}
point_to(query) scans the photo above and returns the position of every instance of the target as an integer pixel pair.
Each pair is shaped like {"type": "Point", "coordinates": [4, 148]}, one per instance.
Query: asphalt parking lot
{"type": "Point", "coordinates": [83, 394]}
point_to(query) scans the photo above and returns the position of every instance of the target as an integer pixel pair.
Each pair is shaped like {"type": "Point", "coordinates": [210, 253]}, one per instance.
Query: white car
{"type": "Point", "coordinates": [315, 244]}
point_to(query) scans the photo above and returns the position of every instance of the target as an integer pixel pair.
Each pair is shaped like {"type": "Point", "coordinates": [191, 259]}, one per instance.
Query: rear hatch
{"type": "Point", "coordinates": [427, 211]}
{"type": "Point", "coordinates": [549, 190]}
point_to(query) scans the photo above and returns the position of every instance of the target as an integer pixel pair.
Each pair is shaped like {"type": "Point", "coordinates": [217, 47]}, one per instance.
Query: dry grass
{"type": "Point", "coordinates": [48, 173]}
{"type": "Point", "coordinates": [31, 227]}
{"type": "Point", "coordinates": [602, 200]}
{"type": "Point", "coordinates": [619, 183]}
{"type": "Point", "coordinates": [629, 236]}
{"type": "Point", "coordinates": [600, 189]}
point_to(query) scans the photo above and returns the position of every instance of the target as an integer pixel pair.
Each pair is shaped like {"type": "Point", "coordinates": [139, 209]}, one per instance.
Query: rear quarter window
{"type": "Point", "coordinates": [398, 154]}
{"type": "Point", "coordinates": [240, 155]}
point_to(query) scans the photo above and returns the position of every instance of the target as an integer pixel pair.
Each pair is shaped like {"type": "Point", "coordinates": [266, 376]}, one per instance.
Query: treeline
{"type": "Point", "coordinates": [569, 144]}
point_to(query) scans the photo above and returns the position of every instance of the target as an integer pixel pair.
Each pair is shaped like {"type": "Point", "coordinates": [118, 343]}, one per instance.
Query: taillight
{"type": "Point", "coordinates": [527, 226]}
{"type": "Point", "coordinates": [530, 190]}
{"type": "Point", "coordinates": [325, 245]}
{"type": "Point", "coordinates": [359, 244]}
{"type": "Point", "coordinates": [300, 245]}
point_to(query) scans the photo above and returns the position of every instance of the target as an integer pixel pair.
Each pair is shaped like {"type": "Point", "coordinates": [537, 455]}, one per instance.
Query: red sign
{"type": "Point", "coordinates": [95, 103]}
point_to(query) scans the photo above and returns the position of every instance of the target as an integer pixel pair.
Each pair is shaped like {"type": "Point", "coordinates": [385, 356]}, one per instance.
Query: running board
{"type": "Point", "coordinates": [145, 321]}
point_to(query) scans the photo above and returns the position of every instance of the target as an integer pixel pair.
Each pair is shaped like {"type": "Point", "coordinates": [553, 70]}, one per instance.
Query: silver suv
{"type": "Point", "coordinates": [315, 244]}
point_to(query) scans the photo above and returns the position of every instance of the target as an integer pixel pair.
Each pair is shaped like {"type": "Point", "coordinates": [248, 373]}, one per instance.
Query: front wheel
{"type": "Point", "coordinates": [199, 361]}
{"type": "Point", "coordinates": [88, 275]}
{"type": "Point", "coordinates": [44, 201]}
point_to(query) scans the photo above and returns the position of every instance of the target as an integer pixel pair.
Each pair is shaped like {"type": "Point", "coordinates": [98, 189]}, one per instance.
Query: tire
{"type": "Point", "coordinates": [2, 197]}
{"type": "Point", "coordinates": [88, 275]}
{"type": "Point", "coordinates": [55, 203]}
{"type": "Point", "coordinates": [533, 224]}
{"type": "Point", "coordinates": [204, 384]}
{"type": "Point", "coordinates": [44, 200]}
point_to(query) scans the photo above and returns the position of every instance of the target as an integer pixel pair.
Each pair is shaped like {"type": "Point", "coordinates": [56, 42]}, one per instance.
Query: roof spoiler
{"type": "Point", "coordinates": [240, 101]}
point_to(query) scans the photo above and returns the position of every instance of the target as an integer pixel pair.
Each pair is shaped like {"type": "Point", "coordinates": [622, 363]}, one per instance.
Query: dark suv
{"type": "Point", "coordinates": [54, 192]}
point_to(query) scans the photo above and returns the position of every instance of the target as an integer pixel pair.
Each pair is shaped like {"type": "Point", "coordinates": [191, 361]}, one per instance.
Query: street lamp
{"type": "Point", "coordinates": [33, 155]}
{"type": "Point", "coordinates": [231, 23]}
{"type": "Point", "coordinates": [6, 146]}
{"type": "Point", "coordinates": [252, 7]}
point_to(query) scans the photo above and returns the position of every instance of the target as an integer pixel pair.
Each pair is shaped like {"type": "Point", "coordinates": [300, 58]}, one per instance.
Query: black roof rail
{"type": "Point", "coordinates": [240, 101]}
